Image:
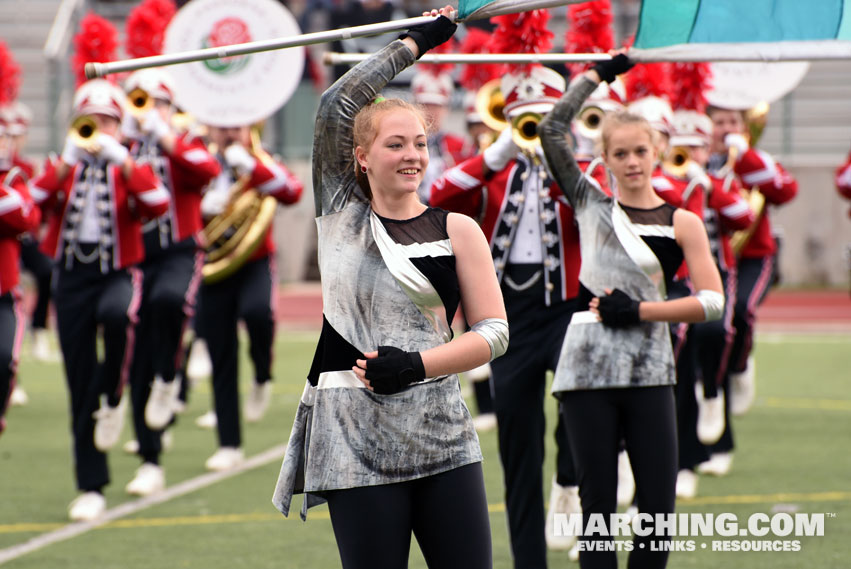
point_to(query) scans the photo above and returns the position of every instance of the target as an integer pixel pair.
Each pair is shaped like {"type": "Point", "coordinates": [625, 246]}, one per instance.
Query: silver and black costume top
{"type": "Point", "coordinates": [384, 282]}
{"type": "Point", "coordinates": [618, 251]}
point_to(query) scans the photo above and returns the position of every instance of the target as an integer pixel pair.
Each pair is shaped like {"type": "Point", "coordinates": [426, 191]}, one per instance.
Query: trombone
{"type": "Point", "coordinates": [84, 132]}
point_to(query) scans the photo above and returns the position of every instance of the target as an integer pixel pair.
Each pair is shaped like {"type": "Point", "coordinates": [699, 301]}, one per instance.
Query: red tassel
{"type": "Point", "coordinates": [10, 76]}
{"type": "Point", "coordinates": [474, 75]}
{"type": "Point", "coordinates": [590, 31]}
{"type": "Point", "coordinates": [525, 32]}
{"type": "Point", "coordinates": [96, 41]}
{"type": "Point", "coordinates": [691, 80]}
{"type": "Point", "coordinates": [146, 27]}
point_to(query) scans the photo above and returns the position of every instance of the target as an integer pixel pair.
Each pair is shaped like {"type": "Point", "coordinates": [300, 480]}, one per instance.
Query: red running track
{"type": "Point", "coordinates": [788, 311]}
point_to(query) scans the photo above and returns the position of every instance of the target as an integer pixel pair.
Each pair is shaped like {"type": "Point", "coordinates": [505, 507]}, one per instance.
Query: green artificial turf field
{"type": "Point", "coordinates": [793, 455]}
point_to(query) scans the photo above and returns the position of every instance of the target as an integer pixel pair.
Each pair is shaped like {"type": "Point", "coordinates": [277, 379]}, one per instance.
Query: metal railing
{"type": "Point", "coordinates": [57, 50]}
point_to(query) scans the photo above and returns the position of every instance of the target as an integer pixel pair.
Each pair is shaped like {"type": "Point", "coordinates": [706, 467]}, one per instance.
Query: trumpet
{"type": "Point", "coordinates": [589, 120]}
{"type": "Point", "coordinates": [677, 161]}
{"type": "Point", "coordinates": [84, 132]}
{"type": "Point", "coordinates": [140, 102]}
{"type": "Point", "coordinates": [524, 131]}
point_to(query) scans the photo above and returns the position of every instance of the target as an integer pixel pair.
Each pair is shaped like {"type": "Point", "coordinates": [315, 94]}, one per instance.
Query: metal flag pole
{"type": "Point", "coordinates": [337, 58]}
{"type": "Point", "coordinates": [497, 8]}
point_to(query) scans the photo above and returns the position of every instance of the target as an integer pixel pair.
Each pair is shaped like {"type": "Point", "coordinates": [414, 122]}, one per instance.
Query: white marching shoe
{"type": "Point", "coordinates": [626, 482]}
{"type": "Point", "coordinates": [484, 422]}
{"type": "Point", "coordinates": [149, 478]}
{"type": "Point", "coordinates": [224, 459]}
{"type": "Point", "coordinates": [199, 365]}
{"type": "Point", "coordinates": [108, 423]}
{"type": "Point", "coordinates": [208, 420]}
{"type": "Point", "coordinates": [162, 403]}
{"type": "Point", "coordinates": [719, 464]}
{"type": "Point", "coordinates": [564, 500]}
{"type": "Point", "coordinates": [19, 397]}
{"type": "Point", "coordinates": [166, 440]}
{"type": "Point", "coordinates": [257, 401]}
{"type": "Point", "coordinates": [710, 416]}
{"type": "Point", "coordinates": [743, 389]}
{"type": "Point", "coordinates": [87, 507]}
{"type": "Point", "coordinates": [686, 484]}
{"type": "Point", "coordinates": [41, 349]}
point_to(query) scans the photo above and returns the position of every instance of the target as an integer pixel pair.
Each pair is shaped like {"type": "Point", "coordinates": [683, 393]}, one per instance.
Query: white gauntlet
{"type": "Point", "coordinates": [501, 152]}
{"type": "Point", "coordinates": [495, 333]}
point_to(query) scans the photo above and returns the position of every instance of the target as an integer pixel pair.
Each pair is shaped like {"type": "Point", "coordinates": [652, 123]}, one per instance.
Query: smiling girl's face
{"type": "Point", "coordinates": [398, 156]}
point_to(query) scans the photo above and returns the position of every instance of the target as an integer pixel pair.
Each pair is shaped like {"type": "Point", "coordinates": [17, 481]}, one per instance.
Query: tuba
{"type": "Point", "coordinates": [231, 237]}
{"type": "Point", "coordinates": [230, 92]}
{"type": "Point", "coordinates": [755, 120]}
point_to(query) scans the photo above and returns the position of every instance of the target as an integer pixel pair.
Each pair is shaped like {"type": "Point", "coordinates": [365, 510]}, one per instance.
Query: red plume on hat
{"type": "Point", "coordinates": [692, 80]}
{"type": "Point", "coordinates": [647, 79]}
{"type": "Point", "coordinates": [474, 75]}
{"type": "Point", "coordinates": [146, 26]}
{"type": "Point", "coordinates": [10, 76]}
{"type": "Point", "coordinates": [97, 40]}
{"type": "Point", "coordinates": [525, 32]}
{"type": "Point", "coordinates": [589, 31]}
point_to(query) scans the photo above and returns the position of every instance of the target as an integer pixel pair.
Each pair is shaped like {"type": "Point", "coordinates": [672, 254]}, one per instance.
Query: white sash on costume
{"type": "Point", "coordinates": [638, 250]}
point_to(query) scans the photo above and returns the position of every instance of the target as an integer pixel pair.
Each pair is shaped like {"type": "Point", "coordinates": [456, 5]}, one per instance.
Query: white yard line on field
{"type": "Point", "coordinates": [128, 508]}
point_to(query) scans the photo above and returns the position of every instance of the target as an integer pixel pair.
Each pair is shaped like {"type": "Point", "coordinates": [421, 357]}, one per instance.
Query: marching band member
{"type": "Point", "coordinates": [97, 197]}
{"type": "Point", "coordinates": [615, 375]}
{"type": "Point", "coordinates": [381, 432]}
{"type": "Point", "coordinates": [757, 258]}
{"type": "Point", "coordinates": [171, 271]}
{"type": "Point", "coordinates": [702, 413]}
{"type": "Point", "coordinates": [17, 216]}
{"type": "Point", "coordinates": [32, 259]}
{"type": "Point", "coordinates": [535, 251]}
{"type": "Point", "coordinates": [433, 90]}
{"type": "Point", "coordinates": [249, 294]}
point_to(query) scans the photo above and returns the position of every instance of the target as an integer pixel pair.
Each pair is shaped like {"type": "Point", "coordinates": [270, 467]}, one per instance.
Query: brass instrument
{"type": "Point", "coordinates": [676, 162]}
{"type": "Point", "coordinates": [231, 237]}
{"type": "Point", "coordinates": [589, 121]}
{"type": "Point", "coordinates": [524, 131]}
{"type": "Point", "coordinates": [84, 131]}
{"type": "Point", "coordinates": [490, 104]}
{"type": "Point", "coordinates": [140, 102]}
{"type": "Point", "coordinates": [755, 121]}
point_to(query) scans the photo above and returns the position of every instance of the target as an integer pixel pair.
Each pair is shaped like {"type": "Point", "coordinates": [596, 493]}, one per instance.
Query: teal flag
{"type": "Point", "coordinates": [665, 23]}
{"type": "Point", "coordinates": [482, 9]}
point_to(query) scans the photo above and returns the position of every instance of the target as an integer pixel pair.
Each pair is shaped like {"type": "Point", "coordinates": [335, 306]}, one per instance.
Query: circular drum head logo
{"type": "Point", "coordinates": [227, 31]}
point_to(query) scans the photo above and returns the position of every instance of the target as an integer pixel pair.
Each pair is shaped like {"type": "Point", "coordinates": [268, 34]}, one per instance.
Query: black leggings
{"type": "Point", "coordinates": [645, 417]}
{"type": "Point", "coordinates": [447, 512]}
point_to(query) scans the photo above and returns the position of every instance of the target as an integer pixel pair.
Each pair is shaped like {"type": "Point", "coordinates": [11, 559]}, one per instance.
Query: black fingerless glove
{"type": "Point", "coordinates": [618, 310]}
{"type": "Point", "coordinates": [431, 34]}
{"type": "Point", "coordinates": [393, 370]}
{"type": "Point", "coordinates": [611, 68]}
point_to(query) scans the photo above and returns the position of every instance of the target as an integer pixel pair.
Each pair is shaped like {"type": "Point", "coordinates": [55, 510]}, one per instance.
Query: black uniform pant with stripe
{"type": "Point", "coordinates": [41, 267]}
{"type": "Point", "coordinates": [88, 301]}
{"type": "Point", "coordinates": [755, 277]}
{"type": "Point", "coordinates": [519, 386]}
{"type": "Point", "coordinates": [10, 332]}
{"type": "Point", "coordinates": [246, 295]}
{"type": "Point", "coordinates": [170, 283]}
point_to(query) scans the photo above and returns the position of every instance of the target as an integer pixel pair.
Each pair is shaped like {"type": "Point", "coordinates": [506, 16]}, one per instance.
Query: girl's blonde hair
{"type": "Point", "coordinates": [617, 119]}
{"type": "Point", "coordinates": [365, 129]}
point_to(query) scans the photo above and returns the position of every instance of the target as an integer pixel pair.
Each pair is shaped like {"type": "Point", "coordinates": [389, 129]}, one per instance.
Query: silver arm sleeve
{"type": "Point", "coordinates": [495, 333]}
{"type": "Point", "coordinates": [712, 303]}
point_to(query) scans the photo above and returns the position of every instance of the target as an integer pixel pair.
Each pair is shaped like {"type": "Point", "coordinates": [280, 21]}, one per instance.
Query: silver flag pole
{"type": "Point", "coordinates": [337, 58]}
{"type": "Point", "coordinates": [94, 69]}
